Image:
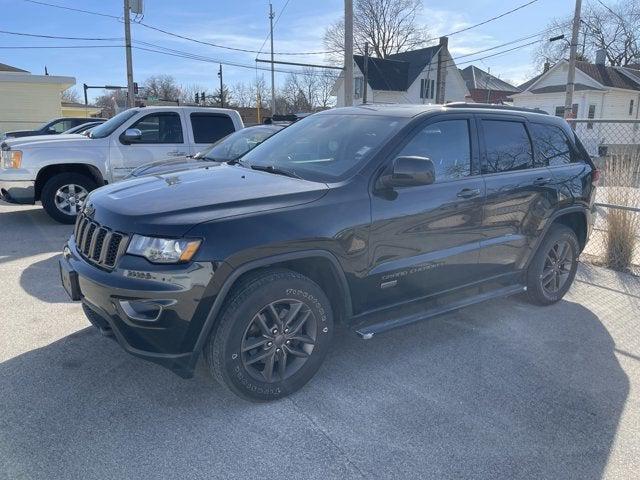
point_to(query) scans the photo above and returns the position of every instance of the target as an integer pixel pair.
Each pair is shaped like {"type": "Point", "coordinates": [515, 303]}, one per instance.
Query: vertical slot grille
{"type": "Point", "coordinates": [98, 244]}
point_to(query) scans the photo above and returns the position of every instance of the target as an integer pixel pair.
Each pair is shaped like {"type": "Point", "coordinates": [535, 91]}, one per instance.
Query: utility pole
{"type": "Point", "coordinates": [348, 53]}
{"type": "Point", "coordinates": [366, 72]}
{"type": "Point", "coordinates": [127, 37]}
{"type": "Point", "coordinates": [273, 73]}
{"type": "Point", "coordinates": [571, 75]}
{"type": "Point", "coordinates": [221, 87]}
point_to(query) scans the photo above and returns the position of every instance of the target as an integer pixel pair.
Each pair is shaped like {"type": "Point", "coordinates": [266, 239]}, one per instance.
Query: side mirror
{"type": "Point", "coordinates": [409, 172]}
{"type": "Point", "coordinates": [131, 135]}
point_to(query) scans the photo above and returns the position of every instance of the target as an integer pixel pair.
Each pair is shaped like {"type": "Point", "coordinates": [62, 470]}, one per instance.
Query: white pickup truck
{"type": "Point", "coordinates": [60, 170]}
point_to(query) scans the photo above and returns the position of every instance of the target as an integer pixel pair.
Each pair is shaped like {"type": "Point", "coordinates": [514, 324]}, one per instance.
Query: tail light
{"type": "Point", "coordinates": [595, 176]}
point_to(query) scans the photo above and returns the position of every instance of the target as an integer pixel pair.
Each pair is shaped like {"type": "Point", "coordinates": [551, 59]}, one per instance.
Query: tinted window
{"type": "Point", "coordinates": [552, 144]}
{"type": "Point", "coordinates": [508, 146]}
{"type": "Point", "coordinates": [447, 145]}
{"type": "Point", "coordinates": [325, 147]}
{"type": "Point", "coordinates": [209, 128]}
{"type": "Point", "coordinates": [61, 125]}
{"type": "Point", "coordinates": [160, 128]}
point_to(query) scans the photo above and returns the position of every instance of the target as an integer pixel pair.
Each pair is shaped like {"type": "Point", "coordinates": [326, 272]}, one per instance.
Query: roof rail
{"type": "Point", "coordinates": [493, 107]}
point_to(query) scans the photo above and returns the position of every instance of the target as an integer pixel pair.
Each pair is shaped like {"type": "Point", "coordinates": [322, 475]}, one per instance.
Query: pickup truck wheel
{"type": "Point", "coordinates": [64, 194]}
{"type": "Point", "coordinates": [273, 335]}
{"type": "Point", "coordinates": [553, 267]}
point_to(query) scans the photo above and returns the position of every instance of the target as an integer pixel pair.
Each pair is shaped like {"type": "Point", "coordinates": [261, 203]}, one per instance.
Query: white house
{"type": "Point", "coordinates": [426, 75]}
{"type": "Point", "coordinates": [26, 100]}
{"type": "Point", "coordinates": [601, 92]}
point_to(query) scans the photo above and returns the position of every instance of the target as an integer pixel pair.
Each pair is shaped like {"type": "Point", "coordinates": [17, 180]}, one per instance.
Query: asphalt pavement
{"type": "Point", "coordinates": [502, 390]}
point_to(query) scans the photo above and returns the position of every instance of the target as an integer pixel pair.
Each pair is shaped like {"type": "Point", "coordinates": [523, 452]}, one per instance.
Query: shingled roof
{"type": "Point", "coordinates": [477, 79]}
{"type": "Point", "coordinates": [398, 71]}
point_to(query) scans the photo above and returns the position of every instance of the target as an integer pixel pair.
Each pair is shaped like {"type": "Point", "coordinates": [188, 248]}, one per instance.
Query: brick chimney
{"type": "Point", "coordinates": [443, 58]}
{"type": "Point", "coordinates": [601, 56]}
{"type": "Point", "coordinates": [546, 67]}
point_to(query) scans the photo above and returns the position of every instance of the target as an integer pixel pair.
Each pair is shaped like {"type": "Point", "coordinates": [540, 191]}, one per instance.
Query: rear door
{"type": "Point", "coordinates": [162, 137]}
{"type": "Point", "coordinates": [208, 128]}
{"type": "Point", "coordinates": [520, 194]}
{"type": "Point", "coordinates": [425, 239]}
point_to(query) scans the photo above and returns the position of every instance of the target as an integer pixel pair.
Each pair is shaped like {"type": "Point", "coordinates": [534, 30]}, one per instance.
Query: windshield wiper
{"type": "Point", "coordinates": [276, 170]}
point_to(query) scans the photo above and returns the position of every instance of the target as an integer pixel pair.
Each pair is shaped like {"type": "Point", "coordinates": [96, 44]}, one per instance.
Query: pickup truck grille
{"type": "Point", "coordinates": [98, 244]}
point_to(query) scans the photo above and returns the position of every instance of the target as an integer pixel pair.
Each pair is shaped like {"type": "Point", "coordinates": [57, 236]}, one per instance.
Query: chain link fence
{"type": "Point", "coordinates": [614, 146]}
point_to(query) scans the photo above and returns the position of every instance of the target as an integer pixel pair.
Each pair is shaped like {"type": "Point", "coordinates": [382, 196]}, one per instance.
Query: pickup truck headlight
{"type": "Point", "coordinates": [163, 250]}
{"type": "Point", "coordinates": [11, 158]}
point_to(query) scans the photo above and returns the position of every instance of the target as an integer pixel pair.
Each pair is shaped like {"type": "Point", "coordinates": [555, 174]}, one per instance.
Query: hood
{"type": "Point", "coordinates": [171, 165]}
{"type": "Point", "coordinates": [42, 141]}
{"type": "Point", "coordinates": [171, 204]}
{"type": "Point", "coordinates": [20, 133]}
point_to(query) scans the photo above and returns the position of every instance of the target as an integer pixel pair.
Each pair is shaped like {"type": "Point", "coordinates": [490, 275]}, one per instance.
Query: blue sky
{"type": "Point", "coordinates": [243, 24]}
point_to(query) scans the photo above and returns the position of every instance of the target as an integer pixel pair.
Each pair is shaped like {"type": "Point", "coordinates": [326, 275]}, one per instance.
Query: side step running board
{"type": "Point", "coordinates": [368, 331]}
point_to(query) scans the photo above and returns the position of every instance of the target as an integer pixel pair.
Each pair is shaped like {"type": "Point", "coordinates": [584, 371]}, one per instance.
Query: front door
{"type": "Point", "coordinates": [425, 239]}
{"type": "Point", "coordinates": [520, 194]}
{"type": "Point", "coordinates": [162, 137]}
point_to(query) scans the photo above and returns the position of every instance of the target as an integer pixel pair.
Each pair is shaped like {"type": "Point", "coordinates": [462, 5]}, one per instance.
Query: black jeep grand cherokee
{"type": "Point", "coordinates": [374, 216]}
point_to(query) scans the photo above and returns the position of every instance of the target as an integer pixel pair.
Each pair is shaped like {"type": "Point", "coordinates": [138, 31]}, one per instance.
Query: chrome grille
{"type": "Point", "coordinates": [98, 244]}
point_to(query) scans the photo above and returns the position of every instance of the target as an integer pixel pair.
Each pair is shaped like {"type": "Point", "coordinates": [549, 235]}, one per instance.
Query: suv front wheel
{"type": "Point", "coordinates": [554, 266]}
{"type": "Point", "coordinates": [273, 335]}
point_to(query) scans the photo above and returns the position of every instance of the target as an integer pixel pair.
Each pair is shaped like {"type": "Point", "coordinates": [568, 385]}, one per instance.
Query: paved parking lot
{"type": "Point", "coordinates": [500, 390]}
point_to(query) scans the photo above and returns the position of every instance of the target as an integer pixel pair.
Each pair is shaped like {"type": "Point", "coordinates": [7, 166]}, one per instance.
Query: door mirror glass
{"type": "Point", "coordinates": [131, 135]}
{"type": "Point", "coordinates": [409, 172]}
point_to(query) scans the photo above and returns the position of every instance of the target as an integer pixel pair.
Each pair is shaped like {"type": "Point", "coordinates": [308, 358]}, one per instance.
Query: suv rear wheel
{"type": "Point", "coordinates": [273, 335]}
{"type": "Point", "coordinates": [553, 267]}
{"type": "Point", "coordinates": [64, 194]}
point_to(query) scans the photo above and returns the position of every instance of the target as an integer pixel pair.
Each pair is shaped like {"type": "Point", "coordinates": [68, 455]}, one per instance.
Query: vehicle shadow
{"type": "Point", "coordinates": [42, 281]}
{"type": "Point", "coordinates": [500, 390]}
{"type": "Point", "coordinates": [26, 231]}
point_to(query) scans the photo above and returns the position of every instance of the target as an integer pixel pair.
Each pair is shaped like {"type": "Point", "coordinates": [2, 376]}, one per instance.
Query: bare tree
{"type": "Point", "coordinates": [258, 90]}
{"type": "Point", "coordinates": [163, 87]}
{"type": "Point", "coordinates": [614, 29]}
{"type": "Point", "coordinates": [324, 89]}
{"type": "Point", "coordinates": [188, 92]}
{"type": "Point", "coordinates": [241, 95]}
{"type": "Point", "coordinates": [70, 95]}
{"type": "Point", "coordinates": [390, 26]}
{"type": "Point", "coordinates": [109, 101]}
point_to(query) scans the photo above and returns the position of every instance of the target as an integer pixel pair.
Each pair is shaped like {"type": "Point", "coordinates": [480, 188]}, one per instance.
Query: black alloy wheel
{"type": "Point", "coordinates": [557, 267]}
{"type": "Point", "coordinates": [279, 340]}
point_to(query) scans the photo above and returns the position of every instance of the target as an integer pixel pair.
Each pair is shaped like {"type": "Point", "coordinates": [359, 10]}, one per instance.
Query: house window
{"type": "Point", "coordinates": [574, 111]}
{"type": "Point", "coordinates": [631, 106]}
{"type": "Point", "coordinates": [424, 88]}
{"type": "Point", "coordinates": [591, 114]}
{"type": "Point", "coordinates": [358, 87]}
{"type": "Point", "coordinates": [432, 91]}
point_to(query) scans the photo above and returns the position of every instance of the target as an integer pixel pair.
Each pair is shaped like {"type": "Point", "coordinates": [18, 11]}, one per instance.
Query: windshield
{"type": "Point", "coordinates": [108, 127]}
{"type": "Point", "coordinates": [236, 144]}
{"type": "Point", "coordinates": [325, 148]}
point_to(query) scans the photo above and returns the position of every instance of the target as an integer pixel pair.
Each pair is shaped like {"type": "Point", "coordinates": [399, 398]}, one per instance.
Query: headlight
{"type": "Point", "coordinates": [163, 250]}
{"type": "Point", "coordinates": [11, 158]}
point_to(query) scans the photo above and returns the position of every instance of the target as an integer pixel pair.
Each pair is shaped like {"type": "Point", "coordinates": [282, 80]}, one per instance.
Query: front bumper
{"type": "Point", "coordinates": [18, 191]}
{"type": "Point", "coordinates": [156, 312]}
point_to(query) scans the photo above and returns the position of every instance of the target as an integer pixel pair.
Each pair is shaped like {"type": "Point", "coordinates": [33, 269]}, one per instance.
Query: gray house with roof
{"type": "Point", "coordinates": [486, 88]}
{"type": "Point", "coordinates": [426, 75]}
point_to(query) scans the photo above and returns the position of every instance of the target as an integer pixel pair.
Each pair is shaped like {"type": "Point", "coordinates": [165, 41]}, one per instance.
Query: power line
{"type": "Point", "coordinates": [485, 21]}
{"type": "Point", "coordinates": [177, 35]}
{"type": "Point", "coordinates": [72, 9]}
{"type": "Point", "coordinates": [58, 46]}
{"type": "Point", "coordinates": [100, 39]}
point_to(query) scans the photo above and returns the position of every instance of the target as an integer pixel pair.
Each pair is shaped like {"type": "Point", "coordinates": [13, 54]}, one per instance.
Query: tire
{"type": "Point", "coordinates": [241, 338]}
{"type": "Point", "coordinates": [549, 277]}
{"type": "Point", "coordinates": [61, 183]}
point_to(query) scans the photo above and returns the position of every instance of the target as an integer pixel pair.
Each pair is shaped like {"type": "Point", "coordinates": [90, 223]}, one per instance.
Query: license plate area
{"type": "Point", "coordinates": [69, 280]}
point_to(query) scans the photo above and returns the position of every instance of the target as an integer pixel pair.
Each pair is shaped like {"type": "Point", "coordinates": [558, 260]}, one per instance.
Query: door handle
{"type": "Point", "coordinates": [469, 192]}
{"type": "Point", "coordinates": [541, 181]}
